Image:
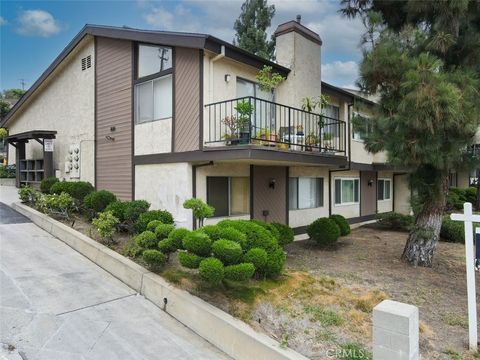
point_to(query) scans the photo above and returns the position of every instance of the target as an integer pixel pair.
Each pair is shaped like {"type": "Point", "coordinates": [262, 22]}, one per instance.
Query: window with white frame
{"type": "Point", "coordinates": [384, 189]}
{"type": "Point", "coordinates": [347, 191]}
{"type": "Point", "coordinates": [360, 125]}
{"type": "Point", "coordinates": [228, 195]}
{"type": "Point", "coordinates": [305, 193]}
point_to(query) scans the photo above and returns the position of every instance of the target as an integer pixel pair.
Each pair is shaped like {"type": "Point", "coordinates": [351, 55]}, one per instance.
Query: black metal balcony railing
{"type": "Point", "coordinates": [251, 120]}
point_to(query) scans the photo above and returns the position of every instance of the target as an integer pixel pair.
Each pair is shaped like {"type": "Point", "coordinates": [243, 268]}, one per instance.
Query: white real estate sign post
{"type": "Point", "coordinates": [469, 218]}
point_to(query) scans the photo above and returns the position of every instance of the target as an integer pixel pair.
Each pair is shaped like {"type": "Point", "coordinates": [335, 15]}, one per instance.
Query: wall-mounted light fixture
{"type": "Point", "coordinates": [271, 183]}
{"type": "Point", "coordinates": [370, 183]}
{"type": "Point", "coordinates": [227, 78]}
{"type": "Point", "coordinates": [113, 128]}
{"type": "Point", "coordinates": [109, 138]}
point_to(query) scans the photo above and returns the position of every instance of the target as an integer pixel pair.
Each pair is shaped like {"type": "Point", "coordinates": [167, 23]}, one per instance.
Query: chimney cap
{"type": "Point", "coordinates": [298, 28]}
{"type": "Point", "coordinates": [299, 18]}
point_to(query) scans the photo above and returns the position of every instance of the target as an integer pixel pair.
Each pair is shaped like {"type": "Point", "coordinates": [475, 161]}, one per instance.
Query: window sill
{"type": "Point", "coordinates": [347, 204]}
{"type": "Point", "coordinates": [314, 208]}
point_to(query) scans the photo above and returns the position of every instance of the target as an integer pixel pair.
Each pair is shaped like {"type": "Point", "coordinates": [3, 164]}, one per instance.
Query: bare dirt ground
{"type": "Point", "coordinates": [325, 299]}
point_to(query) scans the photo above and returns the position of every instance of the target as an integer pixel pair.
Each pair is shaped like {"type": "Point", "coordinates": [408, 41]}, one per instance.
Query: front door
{"type": "Point", "coordinates": [269, 193]}
{"type": "Point", "coordinates": [368, 193]}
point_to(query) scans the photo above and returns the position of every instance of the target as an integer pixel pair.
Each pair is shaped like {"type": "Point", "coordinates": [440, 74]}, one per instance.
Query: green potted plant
{"type": "Point", "coordinates": [244, 111]}
{"type": "Point", "coordinates": [231, 137]}
{"type": "Point", "coordinates": [311, 140]}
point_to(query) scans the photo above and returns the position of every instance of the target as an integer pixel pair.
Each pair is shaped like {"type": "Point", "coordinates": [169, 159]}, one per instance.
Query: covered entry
{"type": "Point", "coordinates": [33, 171]}
{"type": "Point", "coordinates": [269, 196]}
{"type": "Point", "coordinates": [368, 193]}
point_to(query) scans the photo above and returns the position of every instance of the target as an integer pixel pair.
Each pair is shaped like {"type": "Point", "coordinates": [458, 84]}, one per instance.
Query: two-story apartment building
{"type": "Point", "coordinates": [166, 116]}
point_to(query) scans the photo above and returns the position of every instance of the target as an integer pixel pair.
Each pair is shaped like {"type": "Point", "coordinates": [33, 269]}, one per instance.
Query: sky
{"type": "Point", "coordinates": [33, 33]}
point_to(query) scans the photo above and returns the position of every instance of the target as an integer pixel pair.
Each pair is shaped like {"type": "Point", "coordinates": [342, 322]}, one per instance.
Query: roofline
{"type": "Point", "coordinates": [181, 39]}
{"type": "Point", "coordinates": [347, 93]}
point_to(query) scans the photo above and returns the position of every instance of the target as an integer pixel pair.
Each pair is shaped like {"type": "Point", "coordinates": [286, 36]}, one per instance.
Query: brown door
{"type": "Point", "coordinates": [269, 193]}
{"type": "Point", "coordinates": [368, 193]}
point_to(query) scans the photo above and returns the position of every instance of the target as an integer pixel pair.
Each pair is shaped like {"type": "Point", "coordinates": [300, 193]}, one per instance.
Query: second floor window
{"type": "Point", "coordinates": [153, 59]}
{"type": "Point", "coordinates": [361, 126]}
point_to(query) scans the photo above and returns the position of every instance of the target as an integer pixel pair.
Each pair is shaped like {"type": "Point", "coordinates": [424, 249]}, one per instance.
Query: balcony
{"type": "Point", "coordinates": [251, 121]}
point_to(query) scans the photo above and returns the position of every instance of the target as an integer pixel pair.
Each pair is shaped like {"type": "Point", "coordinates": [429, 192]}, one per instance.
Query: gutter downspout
{"type": "Point", "coordinates": [214, 59]}
{"type": "Point", "coordinates": [194, 184]}
{"type": "Point", "coordinates": [349, 161]}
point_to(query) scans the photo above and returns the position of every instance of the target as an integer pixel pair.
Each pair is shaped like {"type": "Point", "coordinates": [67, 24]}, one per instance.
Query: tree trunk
{"type": "Point", "coordinates": [423, 238]}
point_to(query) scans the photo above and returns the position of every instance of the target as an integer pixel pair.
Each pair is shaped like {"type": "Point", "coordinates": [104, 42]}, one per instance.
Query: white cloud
{"type": "Point", "coordinates": [340, 73]}
{"type": "Point", "coordinates": [2, 21]}
{"type": "Point", "coordinates": [37, 23]}
{"type": "Point", "coordinates": [161, 18]}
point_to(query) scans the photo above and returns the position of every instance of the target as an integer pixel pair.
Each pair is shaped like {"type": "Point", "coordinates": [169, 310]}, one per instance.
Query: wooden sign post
{"type": "Point", "coordinates": [469, 218]}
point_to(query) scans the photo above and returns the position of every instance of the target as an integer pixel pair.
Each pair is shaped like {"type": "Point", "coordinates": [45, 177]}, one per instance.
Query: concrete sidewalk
{"type": "Point", "coordinates": [56, 304]}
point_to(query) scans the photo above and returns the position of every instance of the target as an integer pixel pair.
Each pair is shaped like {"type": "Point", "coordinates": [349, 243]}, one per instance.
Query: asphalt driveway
{"type": "Point", "coordinates": [56, 304]}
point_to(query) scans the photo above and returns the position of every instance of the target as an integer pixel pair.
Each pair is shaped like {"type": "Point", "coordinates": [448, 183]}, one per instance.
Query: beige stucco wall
{"type": "Point", "coordinates": [402, 194]}
{"type": "Point", "coordinates": [386, 205]}
{"type": "Point", "coordinates": [64, 103]}
{"type": "Point", "coordinates": [153, 137]}
{"type": "Point", "coordinates": [302, 57]}
{"type": "Point", "coordinates": [348, 211]}
{"type": "Point", "coordinates": [303, 217]}
{"type": "Point", "coordinates": [166, 186]}
{"type": "Point", "coordinates": [463, 179]}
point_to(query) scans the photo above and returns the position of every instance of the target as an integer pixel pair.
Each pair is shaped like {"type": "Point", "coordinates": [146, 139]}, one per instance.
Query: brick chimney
{"type": "Point", "coordinates": [298, 48]}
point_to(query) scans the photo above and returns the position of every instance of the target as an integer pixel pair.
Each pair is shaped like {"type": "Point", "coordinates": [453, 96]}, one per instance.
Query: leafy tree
{"type": "Point", "coordinates": [423, 59]}
{"type": "Point", "coordinates": [8, 98]}
{"type": "Point", "coordinates": [251, 26]}
{"type": "Point", "coordinates": [200, 210]}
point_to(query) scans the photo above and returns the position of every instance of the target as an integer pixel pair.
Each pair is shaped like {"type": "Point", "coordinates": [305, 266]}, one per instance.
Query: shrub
{"type": "Point", "coordinates": [189, 260]}
{"type": "Point", "coordinates": [455, 199]}
{"type": "Point", "coordinates": [166, 246]}
{"type": "Point", "coordinates": [395, 221]}
{"type": "Point", "coordinates": [147, 216]}
{"type": "Point", "coordinates": [239, 272]}
{"type": "Point", "coordinates": [258, 257]}
{"type": "Point", "coordinates": [269, 227]}
{"type": "Point", "coordinates": [106, 224]}
{"type": "Point", "coordinates": [200, 210]}
{"type": "Point", "coordinates": [133, 210]}
{"type": "Point", "coordinates": [213, 231]}
{"type": "Point", "coordinates": [471, 195]}
{"type": "Point", "coordinates": [177, 236]}
{"type": "Point", "coordinates": [147, 240]}
{"type": "Point", "coordinates": [275, 262]}
{"type": "Point", "coordinates": [229, 252]}
{"type": "Point", "coordinates": [155, 259]}
{"type": "Point", "coordinates": [47, 183]}
{"type": "Point", "coordinates": [286, 234]}
{"type": "Point", "coordinates": [77, 189]}
{"type": "Point", "coordinates": [453, 231]}
{"type": "Point", "coordinates": [99, 200]}
{"type": "Point", "coordinates": [211, 270]}
{"type": "Point", "coordinates": [132, 249]}
{"type": "Point", "coordinates": [342, 224]}
{"type": "Point", "coordinates": [28, 194]}
{"type": "Point", "coordinates": [152, 225]}
{"type": "Point", "coordinates": [60, 205]}
{"type": "Point", "coordinates": [324, 231]}
{"type": "Point", "coordinates": [256, 235]}
{"type": "Point", "coordinates": [163, 230]}
{"type": "Point", "coordinates": [8, 172]}
{"type": "Point", "coordinates": [216, 232]}
{"type": "Point", "coordinates": [117, 208]}
{"type": "Point", "coordinates": [197, 243]}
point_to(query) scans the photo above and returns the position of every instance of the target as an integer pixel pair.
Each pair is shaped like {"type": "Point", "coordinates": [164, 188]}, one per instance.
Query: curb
{"type": "Point", "coordinates": [234, 337]}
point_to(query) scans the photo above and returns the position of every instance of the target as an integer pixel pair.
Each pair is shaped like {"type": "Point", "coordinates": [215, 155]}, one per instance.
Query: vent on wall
{"type": "Point", "coordinates": [86, 62]}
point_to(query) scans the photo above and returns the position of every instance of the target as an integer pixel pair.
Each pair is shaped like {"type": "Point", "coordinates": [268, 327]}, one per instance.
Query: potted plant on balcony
{"type": "Point", "coordinates": [264, 135]}
{"type": "Point", "coordinates": [300, 130]}
{"type": "Point", "coordinates": [231, 137]}
{"type": "Point", "coordinates": [311, 140]}
{"type": "Point", "coordinates": [327, 141]}
{"type": "Point", "coordinates": [244, 111]}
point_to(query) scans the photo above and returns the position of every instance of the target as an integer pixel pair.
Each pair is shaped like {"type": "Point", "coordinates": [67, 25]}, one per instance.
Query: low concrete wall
{"type": "Point", "coordinates": [230, 335]}
{"type": "Point", "coordinates": [7, 182]}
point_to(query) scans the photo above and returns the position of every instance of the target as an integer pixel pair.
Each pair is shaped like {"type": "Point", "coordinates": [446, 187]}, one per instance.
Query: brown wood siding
{"type": "Point", "coordinates": [187, 99]}
{"type": "Point", "coordinates": [114, 108]}
{"type": "Point", "coordinates": [368, 194]}
{"type": "Point", "coordinates": [266, 198]}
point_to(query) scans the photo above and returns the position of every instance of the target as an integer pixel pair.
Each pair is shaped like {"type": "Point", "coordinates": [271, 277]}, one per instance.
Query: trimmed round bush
{"type": "Point", "coordinates": [239, 272]}
{"type": "Point", "coordinates": [229, 252]}
{"type": "Point", "coordinates": [452, 231]}
{"type": "Point", "coordinates": [395, 221]}
{"type": "Point", "coordinates": [286, 233]}
{"type": "Point", "coordinates": [275, 262]}
{"type": "Point", "coordinates": [146, 217]}
{"type": "Point", "coordinates": [197, 243]}
{"type": "Point", "coordinates": [117, 208]}
{"type": "Point", "coordinates": [166, 246]}
{"type": "Point", "coordinates": [189, 260]}
{"type": "Point", "coordinates": [47, 183]}
{"type": "Point", "coordinates": [177, 236]}
{"type": "Point", "coordinates": [163, 230]}
{"type": "Point", "coordinates": [342, 224]}
{"type": "Point", "coordinates": [211, 270]}
{"type": "Point", "coordinates": [152, 225]}
{"type": "Point", "coordinates": [155, 259]}
{"type": "Point", "coordinates": [99, 200]}
{"type": "Point", "coordinates": [256, 235]}
{"type": "Point", "coordinates": [76, 189]}
{"type": "Point", "coordinates": [269, 227]}
{"type": "Point", "coordinates": [324, 231]}
{"type": "Point", "coordinates": [258, 257]}
{"type": "Point", "coordinates": [213, 231]}
{"type": "Point", "coordinates": [147, 240]}
{"type": "Point", "coordinates": [471, 194]}
{"type": "Point", "coordinates": [134, 209]}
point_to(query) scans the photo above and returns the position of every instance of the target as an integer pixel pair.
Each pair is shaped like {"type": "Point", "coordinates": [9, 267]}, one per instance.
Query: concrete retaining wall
{"type": "Point", "coordinates": [7, 182]}
{"type": "Point", "coordinates": [230, 335]}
